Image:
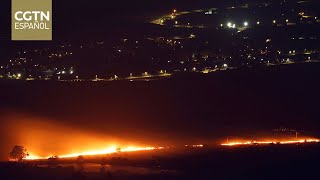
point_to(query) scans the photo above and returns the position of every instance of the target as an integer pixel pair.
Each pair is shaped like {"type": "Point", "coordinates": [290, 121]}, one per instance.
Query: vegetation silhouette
{"type": "Point", "coordinates": [18, 153]}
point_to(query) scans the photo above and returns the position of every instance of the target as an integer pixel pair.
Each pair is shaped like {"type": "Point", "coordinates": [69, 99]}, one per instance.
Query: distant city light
{"type": "Point", "coordinates": [229, 24]}
{"type": "Point", "coordinates": [274, 21]}
{"type": "Point", "coordinates": [246, 24]}
{"type": "Point", "coordinates": [258, 22]}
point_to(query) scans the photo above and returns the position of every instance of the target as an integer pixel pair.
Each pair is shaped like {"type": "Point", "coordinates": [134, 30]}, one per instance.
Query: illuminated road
{"type": "Point", "coordinates": [175, 14]}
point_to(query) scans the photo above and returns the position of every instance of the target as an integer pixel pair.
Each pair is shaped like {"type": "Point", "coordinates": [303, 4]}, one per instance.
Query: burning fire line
{"type": "Point", "coordinates": [110, 150]}
{"type": "Point", "coordinates": [301, 141]}
{"type": "Point", "coordinates": [114, 149]}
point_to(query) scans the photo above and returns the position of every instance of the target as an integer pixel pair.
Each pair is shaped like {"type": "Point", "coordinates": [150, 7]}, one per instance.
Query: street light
{"type": "Point", "coordinates": [229, 24]}
{"type": "Point", "coordinates": [246, 24]}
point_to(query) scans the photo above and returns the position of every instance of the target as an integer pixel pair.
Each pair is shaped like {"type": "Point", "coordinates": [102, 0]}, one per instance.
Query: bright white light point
{"type": "Point", "coordinates": [229, 24]}
{"type": "Point", "coordinates": [258, 22]}
{"type": "Point", "coordinates": [19, 75]}
{"type": "Point", "coordinates": [246, 24]}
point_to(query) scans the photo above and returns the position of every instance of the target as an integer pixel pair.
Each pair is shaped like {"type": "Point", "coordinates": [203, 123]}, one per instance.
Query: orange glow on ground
{"type": "Point", "coordinates": [109, 150]}
{"type": "Point", "coordinates": [298, 141]}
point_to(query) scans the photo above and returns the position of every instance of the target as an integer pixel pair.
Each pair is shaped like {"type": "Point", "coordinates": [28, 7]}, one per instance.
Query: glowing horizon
{"type": "Point", "coordinates": [109, 150]}
{"type": "Point", "coordinates": [114, 149]}
{"type": "Point", "coordinates": [298, 141]}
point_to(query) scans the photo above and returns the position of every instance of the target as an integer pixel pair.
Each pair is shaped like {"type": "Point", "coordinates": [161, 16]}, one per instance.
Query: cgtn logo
{"type": "Point", "coordinates": [31, 20]}
{"type": "Point", "coordinates": [39, 18]}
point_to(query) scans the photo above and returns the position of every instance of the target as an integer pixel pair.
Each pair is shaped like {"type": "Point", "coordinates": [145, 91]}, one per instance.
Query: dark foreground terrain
{"type": "Point", "coordinates": [253, 162]}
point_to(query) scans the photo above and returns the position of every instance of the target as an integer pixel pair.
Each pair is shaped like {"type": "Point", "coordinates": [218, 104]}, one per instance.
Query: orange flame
{"type": "Point", "coordinates": [300, 141]}
{"type": "Point", "coordinates": [109, 150]}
